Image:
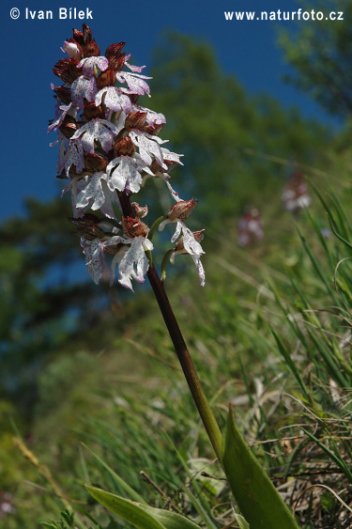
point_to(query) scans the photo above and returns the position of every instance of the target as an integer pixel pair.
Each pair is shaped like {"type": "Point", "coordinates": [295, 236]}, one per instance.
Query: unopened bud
{"type": "Point", "coordinates": [95, 162]}
{"type": "Point", "coordinates": [182, 209]}
{"type": "Point", "coordinates": [91, 49]}
{"type": "Point", "coordinates": [85, 39]}
{"type": "Point", "coordinates": [199, 235]}
{"type": "Point", "coordinates": [78, 36]}
{"type": "Point", "coordinates": [133, 227]}
{"type": "Point", "coordinates": [117, 63]}
{"type": "Point", "coordinates": [66, 70]}
{"type": "Point", "coordinates": [124, 147]}
{"type": "Point", "coordinates": [73, 49]}
{"type": "Point", "coordinates": [116, 58]}
{"type": "Point", "coordinates": [87, 34]}
{"type": "Point", "coordinates": [114, 49]}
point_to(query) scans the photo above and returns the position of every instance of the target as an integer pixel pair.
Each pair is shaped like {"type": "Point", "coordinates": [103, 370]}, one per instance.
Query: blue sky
{"type": "Point", "coordinates": [31, 47]}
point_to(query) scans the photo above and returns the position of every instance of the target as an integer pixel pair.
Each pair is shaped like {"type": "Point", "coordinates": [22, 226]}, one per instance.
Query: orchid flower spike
{"type": "Point", "coordinates": [109, 146]}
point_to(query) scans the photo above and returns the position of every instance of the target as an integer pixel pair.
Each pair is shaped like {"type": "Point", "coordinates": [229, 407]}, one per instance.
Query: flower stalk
{"type": "Point", "coordinates": [186, 362]}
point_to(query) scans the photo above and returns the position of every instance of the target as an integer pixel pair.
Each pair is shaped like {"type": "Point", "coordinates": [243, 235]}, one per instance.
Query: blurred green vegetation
{"type": "Point", "coordinates": [321, 55]}
{"type": "Point", "coordinates": [271, 332]}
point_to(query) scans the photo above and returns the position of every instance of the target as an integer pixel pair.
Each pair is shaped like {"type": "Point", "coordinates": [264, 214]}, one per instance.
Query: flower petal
{"type": "Point", "coordinates": [65, 110]}
{"type": "Point", "coordinates": [124, 173]}
{"type": "Point", "coordinates": [92, 193]}
{"type": "Point", "coordinates": [113, 99]}
{"type": "Point", "coordinates": [71, 153]}
{"type": "Point", "coordinates": [135, 82]}
{"type": "Point", "coordinates": [83, 88]}
{"type": "Point", "coordinates": [149, 147]}
{"type": "Point", "coordinates": [94, 258]}
{"type": "Point", "coordinates": [91, 66]}
{"type": "Point", "coordinates": [99, 130]}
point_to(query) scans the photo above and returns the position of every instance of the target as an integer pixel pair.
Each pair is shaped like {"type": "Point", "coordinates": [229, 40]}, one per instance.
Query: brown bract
{"type": "Point", "coordinates": [63, 93]}
{"type": "Point", "coordinates": [135, 120]}
{"type": "Point", "coordinates": [134, 227]}
{"type": "Point", "coordinates": [182, 209]}
{"type": "Point", "coordinates": [95, 162]}
{"type": "Point", "coordinates": [85, 39]}
{"type": "Point", "coordinates": [68, 127]}
{"type": "Point", "coordinates": [115, 57]}
{"type": "Point", "coordinates": [106, 78]}
{"type": "Point", "coordinates": [91, 111]}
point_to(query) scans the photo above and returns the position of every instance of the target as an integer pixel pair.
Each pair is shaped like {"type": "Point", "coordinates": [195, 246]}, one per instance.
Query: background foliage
{"type": "Point", "coordinates": [270, 332]}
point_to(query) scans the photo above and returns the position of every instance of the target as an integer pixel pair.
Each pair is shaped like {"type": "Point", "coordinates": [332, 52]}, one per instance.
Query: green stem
{"type": "Point", "coordinates": [187, 364]}
{"type": "Point", "coordinates": [164, 263]}
{"type": "Point", "coordinates": [155, 226]}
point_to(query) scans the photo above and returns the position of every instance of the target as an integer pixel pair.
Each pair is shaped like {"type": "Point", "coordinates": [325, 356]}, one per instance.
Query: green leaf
{"type": "Point", "coordinates": [256, 496]}
{"type": "Point", "coordinates": [117, 479]}
{"type": "Point", "coordinates": [242, 524]}
{"type": "Point", "coordinates": [172, 520]}
{"type": "Point", "coordinates": [140, 515]}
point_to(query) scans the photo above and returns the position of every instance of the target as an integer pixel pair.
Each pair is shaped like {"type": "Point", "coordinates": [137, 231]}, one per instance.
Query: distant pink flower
{"type": "Point", "coordinates": [295, 195]}
{"type": "Point", "coordinates": [250, 228]}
